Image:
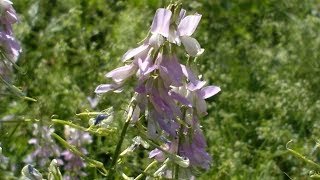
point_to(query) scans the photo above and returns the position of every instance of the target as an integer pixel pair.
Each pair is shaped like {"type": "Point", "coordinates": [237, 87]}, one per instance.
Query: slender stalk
{"type": "Point", "coordinates": [300, 156]}
{"type": "Point", "coordinates": [118, 148]}
{"type": "Point", "coordinates": [92, 162]}
{"type": "Point", "coordinates": [59, 121]}
{"type": "Point", "coordinates": [176, 174]}
{"type": "Point", "coordinates": [147, 168]}
{"type": "Point", "coordinates": [180, 136]}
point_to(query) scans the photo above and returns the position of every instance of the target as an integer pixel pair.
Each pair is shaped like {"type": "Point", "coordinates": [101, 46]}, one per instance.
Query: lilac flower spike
{"type": "Point", "coordinates": [168, 95]}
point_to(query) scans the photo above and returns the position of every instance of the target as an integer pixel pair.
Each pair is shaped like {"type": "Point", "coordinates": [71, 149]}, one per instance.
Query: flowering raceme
{"type": "Point", "coordinates": [169, 95]}
{"type": "Point", "coordinates": [10, 48]}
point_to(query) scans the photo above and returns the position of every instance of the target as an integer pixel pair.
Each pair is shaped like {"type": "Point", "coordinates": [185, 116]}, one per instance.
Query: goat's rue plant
{"type": "Point", "coordinates": [169, 97]}
{"type": "Point", "coordinates": [165, 110]}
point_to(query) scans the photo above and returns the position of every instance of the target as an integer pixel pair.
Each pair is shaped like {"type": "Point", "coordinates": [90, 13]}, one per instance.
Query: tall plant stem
{"type": "Point", "coordinates": [180, 136]}
{"type": "Point", "coordinates": [118, 148]}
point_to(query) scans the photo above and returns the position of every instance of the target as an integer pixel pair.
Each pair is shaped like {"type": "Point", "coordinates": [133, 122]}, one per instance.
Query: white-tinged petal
{"type": "Point", "coordinates": [156, 40]}
{"type": "Point", "coordinates": [209, 91]}
{"type": "Point", "coordinates": [5, 4]}
{"type": "Point", "coordinates": [180, 98]}
{"type": "Point", "coordinates": [195, 83]}
{"type": "Point", "coordinates": [104, 88]}
{"type": "Point", "coordinates": [196, 86]}
{"type": "Point", "coordinates": [182, 14]}
{"type": "Point", "coordinates": [188, 25]}
{"type": "Point", "coordinates": [173, 37]}
{"type": "Point", "coordinates": [135, 114]}
{"type": "Point", "coordinates": [201, 107]}
{"type": "Point", "coordinates": [161, 22]}
{"type": "Point", "coordinates": [122, 73]}
{"type": "Point", "coordinates": [134, 52]}
{"type": "Point", "coordinates": [192, 46]}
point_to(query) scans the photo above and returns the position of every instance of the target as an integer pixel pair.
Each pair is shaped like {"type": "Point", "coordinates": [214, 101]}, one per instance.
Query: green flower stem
{"type": "Point", "coordinates": [59, 121]}
{"type": "Point", "coordinates": [147, 168]}
{"type": "Point", "coordinates": [177, 159]}
{"type": "Point", "coordinates": [91, 129]}
{"type": "Point", "coordinates": [176, 168]}
{"type": "Point", "coordinates": [118, 148]}
{"type": "Point", "coordinates": [90, 113]}
{"type": "Point", "coordinates": [90, 161]}
{"type": "Point", "coordinates": [17, 91]}
{"type": "Point", "coordinates": [298, 155]}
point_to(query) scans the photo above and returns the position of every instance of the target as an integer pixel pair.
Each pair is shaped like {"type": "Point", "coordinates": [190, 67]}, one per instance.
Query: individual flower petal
{"type": "Point", "coordinates": [135, 114]}
{"type": "Point", "coordinates": [194, 150]}
{"type": "Point", "coordinates": [12, 16]}
{"type": "Point", "coordinates": [152, 127]}
{"type": "Point", "coordinates": [182, 14]}
{"type": "Point", "coordinates": [209, 91]}
{"type": "Point", "coordinates": [9, 46]}
{"type": "Point", "coordinates": [194, 84]}
{"type": "Point", "coordinates": [201, 107]}
{"type": "Point", "coordinates": [161, 22]}
{"type": "Point", "coordinates": [174, 37]}
{"type": "Point", "coordinates": [104, 88]}
{"type": "Point", "coordinates": [188, 25]}
{"type": "Point", "coordinates": [122, 73]}
{"type": "Point", "coordinates": [156, 40]}
{"type": "Point", "coordinates": [161, 105]}
{"type": "Point", "coordinates": [157, 154]}
{"type": "Point", "coordinates": [180, 98]}
{"type": "Point", "coordinates": [146, 66]}
{"type": "Point", "coordinates": [134, 52]}
{"type": "Point", "coordinates": [142, 101]}
{"type": "Point", "coordinates": [170, 71]}
{"type": "Point", "coordinates": [192, 46]}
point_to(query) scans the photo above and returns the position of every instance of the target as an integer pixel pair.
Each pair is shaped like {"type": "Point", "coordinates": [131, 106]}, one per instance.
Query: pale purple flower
{"type": "Point", "coordinates": [161, 22]}
{"type": "Point", "coordinates": [8, 16]}
{"type": "Point", "coordinates": [192, 148]}
{"type": "Point", "coordinates": [160, 27]}
{"type": "Point", "coordinates": [8, 45]}
{"type": "Point", "coordinates": [186, 27]}
{"type": "Point", "coordinates": [196, 92]}
{"type": "Point", "coordinates": [170, 70]}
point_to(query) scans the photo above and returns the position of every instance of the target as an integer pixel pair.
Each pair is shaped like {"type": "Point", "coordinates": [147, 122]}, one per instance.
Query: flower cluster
{"type": "Point", "coordinates": [169, 94]}
{"type": "Point", "coordinates": [9, 47]}
{"type": "Point", "coordinates": [45, 147]}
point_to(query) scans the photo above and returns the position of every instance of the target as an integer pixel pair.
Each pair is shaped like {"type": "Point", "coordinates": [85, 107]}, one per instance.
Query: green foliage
{"type": "Point", "coordinates": [263, 54]}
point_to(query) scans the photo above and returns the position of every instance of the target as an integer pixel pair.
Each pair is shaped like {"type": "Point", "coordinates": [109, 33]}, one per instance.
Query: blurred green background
{"type": "Point", "coordinates": [264, 54]}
